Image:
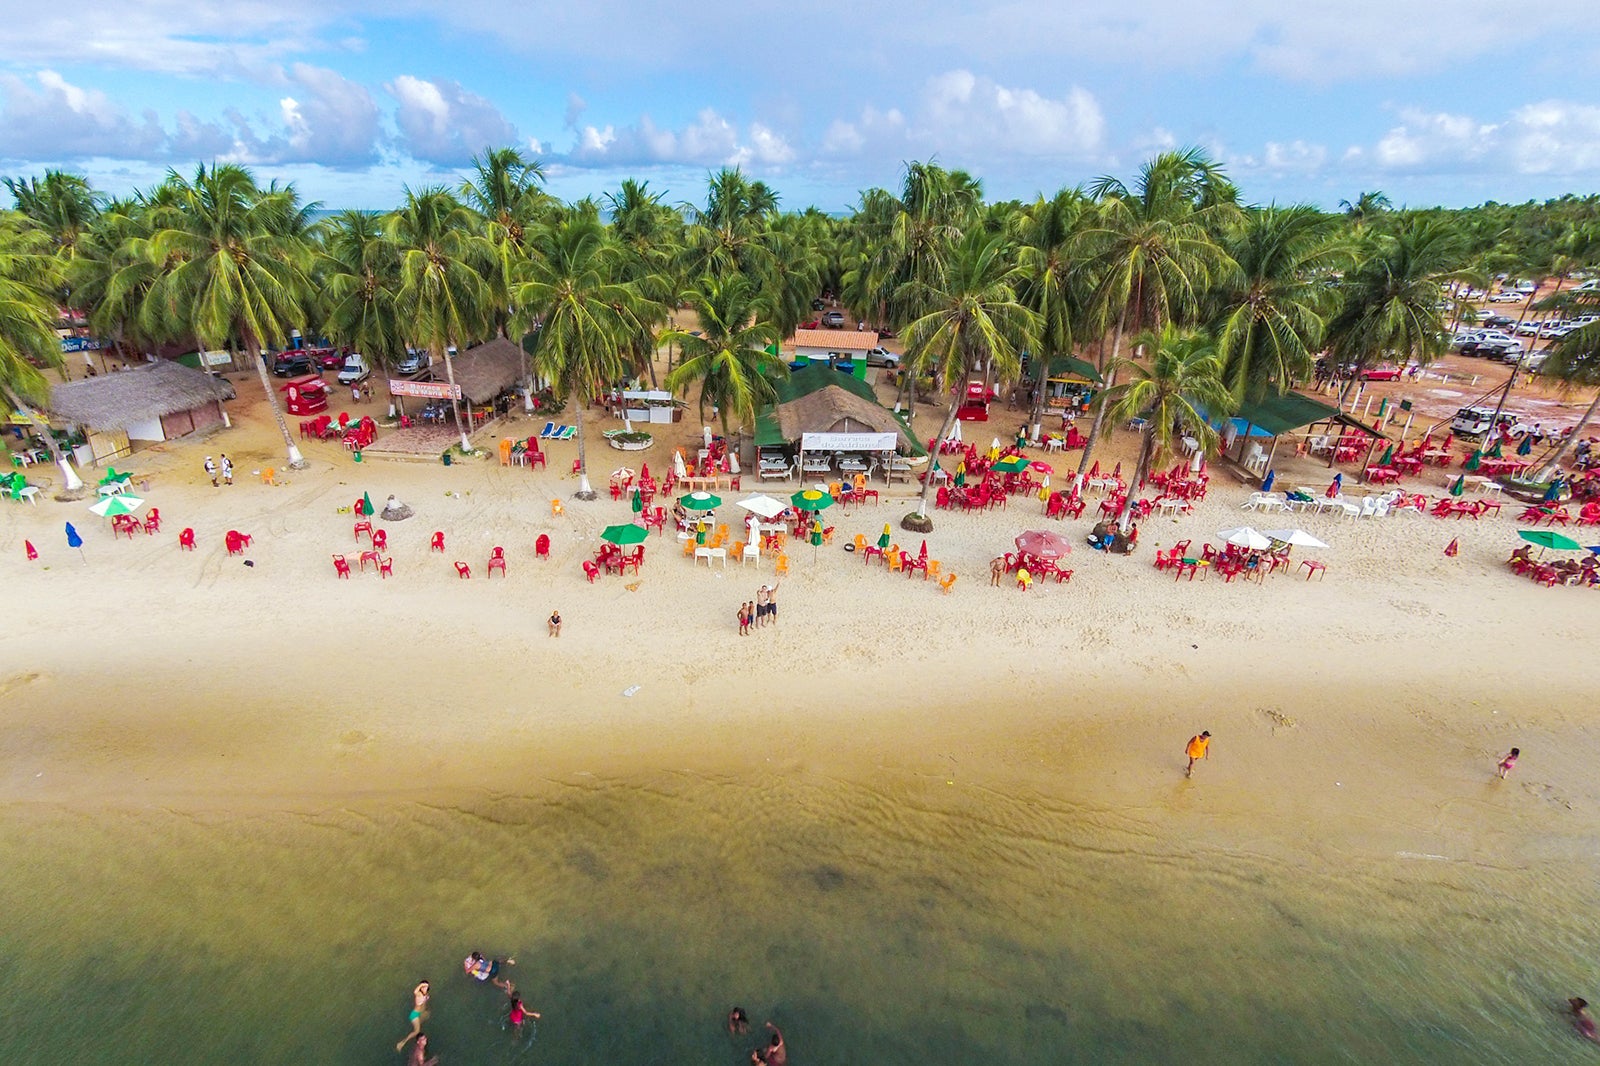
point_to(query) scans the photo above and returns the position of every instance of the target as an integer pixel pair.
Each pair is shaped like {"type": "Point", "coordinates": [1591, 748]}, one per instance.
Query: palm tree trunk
{"type": "Point", "coordinates": [455, 399]}
{"type": "Point", "coordinates": [296, 460]}
{"type": "Point", "coordinates": [1036, 416]}
{"type": "Point", "coordinates": [585, 492]}
{"type": "Point", "coordinates": [1141, 470]}
{"type": "Point", "coordinates": [944, 431]}
{"type": "Point", "coordinates": [1548, 470]}
{"type": "Point", "coordinates": [1100, 408]}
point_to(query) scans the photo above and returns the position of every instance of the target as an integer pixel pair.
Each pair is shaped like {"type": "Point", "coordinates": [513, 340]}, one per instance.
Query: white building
{"type": "Point", "coordinates": [820, 344]}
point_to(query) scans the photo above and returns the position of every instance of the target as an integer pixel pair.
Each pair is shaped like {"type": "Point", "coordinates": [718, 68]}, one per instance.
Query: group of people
{"type": "Point", "coordinates": [481, 969]}
{"type": "Point", "coordinates": [226, 470]}
{"type": "Point", "coordinates": [774, 1053]}
{"type": "Point", "coordinates": [760, 611]}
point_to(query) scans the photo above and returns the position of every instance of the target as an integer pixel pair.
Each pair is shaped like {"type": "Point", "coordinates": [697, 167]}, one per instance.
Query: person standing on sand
{"type": "Point", "coordinates": [211, 471]}
{"type": "Point", "coordinates": [1199, 748]}
{"type": "Point", "coordinates": [555, 623]}
{"type": "Point", "coordinates": [1508, 763]}
{"type": "Point", "coordinates": [227, 469]}
{"type": "Point", "coordinates": [772, 604]}
{"type": "Point", "coordinates": [997, 570]}
{"type": "Point", "coordinates": [419, 1053]}
{"type": "Point", "coordinates": [744, 619]}
{"type": "Point", "coordinates": [763, 600]}
{"type": "Point", "coordinates": [419, 1014]}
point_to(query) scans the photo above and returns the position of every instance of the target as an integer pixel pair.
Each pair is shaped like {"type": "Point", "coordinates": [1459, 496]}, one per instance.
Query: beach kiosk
{"type": "Point", "coordinates": [305, 395]}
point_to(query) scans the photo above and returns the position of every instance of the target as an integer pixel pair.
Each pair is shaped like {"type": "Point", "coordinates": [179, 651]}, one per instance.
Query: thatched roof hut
{"type": "Point", "coordinates": [131, 398]}
{"type": "Point", "coordinates": [835, 410]}
{"type": "Point", "coordinates": [484, 372]}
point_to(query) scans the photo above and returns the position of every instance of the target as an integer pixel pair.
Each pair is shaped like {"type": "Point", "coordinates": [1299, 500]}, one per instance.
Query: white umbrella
{"type": "Point", "coordinates": [706, 432]}
{"type": "Point", "coordinates": [1245, 537]}
{"type": "Point", "coordinates": [622, 473]}
{"type": "Point", "coordinates": [955, 430]}
{"type": "Point", "coordinates": [115, 505]}
{"type": "Point", "coordinates": [733, 462]}
{"type": "Point", "coordinates": [677, 464]}
{"type": "Point", "coordinates": [1298, 537]}
{"type": "Point", "coordinates": [765, 506]}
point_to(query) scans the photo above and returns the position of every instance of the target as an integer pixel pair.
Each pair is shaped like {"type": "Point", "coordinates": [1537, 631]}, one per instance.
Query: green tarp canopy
{"type": "Point", "coordinates": [1280, 414]}
{"type": "Point", "coordinates": [1066, 366]}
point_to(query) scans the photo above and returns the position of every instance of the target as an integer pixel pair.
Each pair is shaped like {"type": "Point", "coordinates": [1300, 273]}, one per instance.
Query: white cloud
{"type": "Point", "coordinates": [333, 121]}
{"type": "Point", "coordinates": [710, 140]}
{"type": "Point", "coordinates": [49, 118]}
{"type": "Point", "coordinates": [975, 118]}
{"type": "Point", "coordinates": [441, 122]}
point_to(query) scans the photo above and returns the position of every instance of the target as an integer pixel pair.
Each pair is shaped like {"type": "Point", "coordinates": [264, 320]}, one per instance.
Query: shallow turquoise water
{"type": "Point", "coordinates": [876, 924]}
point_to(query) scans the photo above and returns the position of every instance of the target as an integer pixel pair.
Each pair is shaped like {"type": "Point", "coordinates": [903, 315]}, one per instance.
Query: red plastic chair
{"type": "Point", "coordinates": [386, 567]}
{"type": "Point", "coordinates": [341, 568]}
{"type": "Point", "coordinates": [541, 547]}
{"type": "Point", "coordinates": [497, 558]}
{"type": "Point", "coordinates": [535, 458]}
{"type": "Point", "coordinates": [438, 542]}
{"type": "Point", "coordinates": [380, 539]}
{"type": "Point", "coordinates": [577, 467]}
{"type": "Point", "coordinates": [463, 570]}
{"type": "Point", "coordinates": [363, 527]}
{"type": "Point", "coordinates": [590, 570]}
{"type": "Point", "coordinates": [152, 520]}
{"type": "Point", "coordinates": [237, 542]}
{"type": "Point", "coordinates": [186, 539]}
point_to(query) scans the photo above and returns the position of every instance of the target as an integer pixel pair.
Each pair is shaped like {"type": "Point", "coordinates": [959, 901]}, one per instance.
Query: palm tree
{"type": "Point", "coordinates": [1269, 314]}
{"type": "Point", "coordinates": [589, 317]}
{"type": "Point", "coordinates": [232, 268]}
{"type": "Point", "coordinates": [1389, 302]}
{"type": "Point", "coordinates": [973, 314]}
{"type": "Point", "coordinates": [1574, 363]}
{"type": "Point", "coordinates": [794, 275]}
{"type": "Point", "coordinates": [1178, 385]}
{"type": "Point", "coordinates": [505, 190]}
{"type": "Point", "coordinates": [61, 204]}
{"type": "Point", "coordinates": [30, 278]}
{"type": "Point", "coordinates": [649, 236]}
{"type": "Point", "coordinates": [358, 273]}
{"type": "Point", "coordinates": [729, 358]}
{"type": "Point", "coordinates": [110, 272]}
{"type": "Point", "coordinates": [1367, 207]}
{"type": "Point", "coordinates": [1152, 252]}
{"type": "Point", "coordinates": [1056, 283]}
{"type": "Point", "coordinates": [726, 236]}
{"type": "Point", "coordinates": [444, 298]}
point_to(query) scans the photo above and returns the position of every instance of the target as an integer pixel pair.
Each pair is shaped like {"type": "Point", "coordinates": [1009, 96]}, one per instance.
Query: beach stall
{"type": "Point", "coordinates": [305, 395]}
{"type": "Point", "coordinates": [829, 420]}
{"type": "Point", "coordinates": [487, 376]}
{"type": "Point", "coordinates": [1070, 385]}
{"type": "Point", "coordinates": [155, 402]}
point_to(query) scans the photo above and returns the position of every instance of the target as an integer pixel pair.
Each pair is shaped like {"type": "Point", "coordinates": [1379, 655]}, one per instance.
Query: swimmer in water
{"type": "Point", "coordinates": [519, 1014]}
{"type": "Point", "coordinates": [1581, 1020]}
{"type": "Point", "coordinates": [419, 1053]}
{"type": "Point", "coordinates": [738, 1021]}
{"type": "Point", "coordinates": [484, 969]}
{"type": "Point", "coordinates": [775, 1053]}
{"type": "Point", "coordinates": [419, 1012]}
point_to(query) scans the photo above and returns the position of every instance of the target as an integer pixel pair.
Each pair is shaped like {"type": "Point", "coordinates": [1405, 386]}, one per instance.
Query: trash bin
{"type": "Point", "coordinates": [358, 455]}
{"type": "Point", "coordinates": [446, 458]}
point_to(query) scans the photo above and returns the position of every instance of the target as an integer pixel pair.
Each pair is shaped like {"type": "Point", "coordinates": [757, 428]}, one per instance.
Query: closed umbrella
{"type": "Point", "coordinates": [366, 505]}
{"type": "Point", "coordinates": [1266, 485]}
{"type": "Point", "coordinates": [700, 531]}
{"type": "Point", "coordinates": [638, 502]}
{"type": "Point", "coordinates": [1474, 461]}
{"type": "Point", "coordinates": [75, 541]}
{"type": "Point", "coordinates": [1245, 537]}
{"type": "Point", "coordinates": [1494, 453]}
{"type": "Point", "coordinates": [1525, 447]}
{"type": "Point", "coordinates": [1553, 493]}
{"type": "Point", "coordinates": [1334, 486]}
{"type": "Point", "coordinates": [883, 540]}
{"type": "Point", "coordinates": [644, 471]}
{"type": "Point", "coordinates": [1460, 486]}
{"type": "Point", "coordinates": [1388, 456]}
{"type": "Point", "coordinates": [678, 469]}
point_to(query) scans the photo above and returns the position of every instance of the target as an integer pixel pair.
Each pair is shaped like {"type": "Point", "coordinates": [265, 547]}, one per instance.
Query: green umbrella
{"type": "Point", "coordinates": [638, 502]}
{"type": "Point", "coordinates": [1459, 487]}
{"type": "Point", "coordinates": [116, 506]}
{"type": "Point", "coordinates": [1474, 461]}
{"type": "Point", "coordinates": [366, 505]}
{"type": "Point", "coordinates": [1526, 447]}
{"type": "Point", "coordinates": [701, 501]}
{"type": "Point", "coordinates": [1388, 456]}
{"type": "Point", "coordinates": [1493, 453]}
{"type": "Point", "coordinates": [883, 541]}
{"type": "Point", "coordinates": [628, 534]}
{"type": "Point", "coordinates": [1549, 538]}
{"type": "Point", "coordinates": [1012, 464]}
{"type": "Point", "coordinates": [812, 500]}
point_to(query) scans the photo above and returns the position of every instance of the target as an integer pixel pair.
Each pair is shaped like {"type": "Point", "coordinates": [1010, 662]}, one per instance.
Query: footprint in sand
{"type": "Point", "coordinates": [16, 681]}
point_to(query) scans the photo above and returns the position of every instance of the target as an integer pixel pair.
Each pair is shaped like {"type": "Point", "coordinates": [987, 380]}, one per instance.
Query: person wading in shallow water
{"type": "Point", "coordinates": [1199, 748]}
{"type": "Point", "coordinates": [776, 1053]}
{"type": "Point", "coordinates": [419, 1014]}
{"type": "Point", "coordinates": [419, 1053]}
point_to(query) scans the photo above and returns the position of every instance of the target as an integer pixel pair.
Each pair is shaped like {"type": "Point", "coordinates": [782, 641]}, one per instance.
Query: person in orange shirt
{"type": "Point", "coordinates": [1199, 748]}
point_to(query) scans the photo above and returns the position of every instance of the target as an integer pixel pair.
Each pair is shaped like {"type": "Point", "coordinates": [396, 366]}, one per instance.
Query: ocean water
{"type": "Point", "coordinates": [877, 920]}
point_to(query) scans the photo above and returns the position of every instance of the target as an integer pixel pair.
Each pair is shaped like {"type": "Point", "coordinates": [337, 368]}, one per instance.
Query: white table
{"type": "Point", "coordinates": [709, 554]}
{"type": "Point", "coordinates": [116, 488]}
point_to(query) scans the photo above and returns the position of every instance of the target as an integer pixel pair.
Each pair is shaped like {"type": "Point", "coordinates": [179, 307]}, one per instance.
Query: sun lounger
{"type": "Point", "coordinates": [548, 432]}
{"type": "Point", "coordinates": [567, 433]}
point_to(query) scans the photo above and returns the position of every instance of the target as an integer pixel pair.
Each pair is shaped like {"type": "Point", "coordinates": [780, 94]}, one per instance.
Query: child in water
{"type": "Point", "coordinates": [1509, 762]}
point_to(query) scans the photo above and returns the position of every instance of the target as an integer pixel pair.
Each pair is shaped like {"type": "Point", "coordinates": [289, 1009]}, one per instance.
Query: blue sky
{"type": "Point", "coordinates": [354, 99]}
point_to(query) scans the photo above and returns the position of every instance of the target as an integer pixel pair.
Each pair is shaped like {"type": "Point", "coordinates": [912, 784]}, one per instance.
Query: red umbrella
{"type": "Point", "coordinates": [924, 553]}
{"type": "Point", "coordinates": [1451, 549]}
{"type": "Point", "coordinates": [644, 471]}
{"type": "Point", "coordinates": [1118, 471]}
{"type": "Point", "coordinates": [1094, 471]}
{"type": "Point", "coordinates": [1043, 545]}
{"type": "Point", "coordinates": [33, 553]}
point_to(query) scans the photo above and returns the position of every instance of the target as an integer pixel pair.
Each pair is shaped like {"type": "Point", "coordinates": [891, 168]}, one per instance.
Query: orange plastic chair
{"type": "Point", "coordinates": [268, 476]}
{"type": "Point", "coordinates": [556, 508]}
{"type": "Point", "coordinates": [688, 547]}
{"type": "Point", "coordinates": [738, 549]}
{"type": "Point", "coordinates": [894, 560]}
{"type": "Point", "coordinates": [861, 543]}
{"type": "Point", "coordinates": [783, 566]}
{"type": "Point", "coordinates": [945, 583]}
{"type": "Point", "coordinates": [932, 569]}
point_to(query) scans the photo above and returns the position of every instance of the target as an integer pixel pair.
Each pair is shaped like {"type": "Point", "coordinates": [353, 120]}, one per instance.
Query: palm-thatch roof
{"type": "Point", "coordinates": [486, 371]}
{"type": "Point", "coordinates": [832, 409]}
{"type": "Point", "coordinates": [129, 397]}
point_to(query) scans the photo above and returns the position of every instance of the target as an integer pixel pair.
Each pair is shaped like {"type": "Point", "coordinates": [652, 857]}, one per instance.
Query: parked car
{"type": "Point", "coordinates": [883, 357]}
{"type": "Point", "coordinates": [354, 369]}
{"type": "Point", "coordinates": [1497, 336]}
{"type": "Point", "coordinates": [1381, 373]}
{"type": "Point", "coordinates": [326, 358]}
{"type": "Point", "coordinates": [1533, 361]}
{"type": "Point", "coordinates": [1472, 421]}
{"type": "Point", "coordinates": [833, 320]}
{"type": "Point", "coordinates": [817, 305]}
{"type": "Point", "coordinates": [1499, 322]}
{"type": "Point", "coordinates": [414, 363]}
{"type": "Point", "coordinates": [292, 365]}
{"type": "Point", "coordinates": [1503, 352]}
{"type": "Point", "coordinates": [1511, 296]}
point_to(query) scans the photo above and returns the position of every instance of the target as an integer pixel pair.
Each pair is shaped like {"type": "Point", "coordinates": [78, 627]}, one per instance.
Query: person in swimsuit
{"type": "Point", "coordinates": [1509, 762]}
{"type": "Point", "coordinates": [763, 605]}
{"type": "Point", "coordinates": [772, 603]}
{"type": "Point", "coordinates": [738, 1021]}
{"type": "Point", "coordinates": [1199, 748]}
{"type": "Point", "coordinates": [1581, 1020]}
{"type": "Point", "coordinates": [419, 1053]}
{"type": "Point", "coordinates": [775, 1053]}
{"type": "Point", "coordinates": [482, 969]}
{"type": "Point", "coordinates": [419, 1012]}
{"type": "Point", "coordinates": [555, 623]}
{"type": "Point", "coordinates": [997, 570]}
{"type": "Point", "coordinates": [519, 1014]}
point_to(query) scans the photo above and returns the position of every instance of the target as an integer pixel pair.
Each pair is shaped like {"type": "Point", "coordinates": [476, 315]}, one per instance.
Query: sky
{"type": "Point", "coordinates": [355, 100]}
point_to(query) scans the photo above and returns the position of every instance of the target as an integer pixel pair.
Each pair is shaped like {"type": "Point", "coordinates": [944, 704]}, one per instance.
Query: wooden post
{"type": "Point", "coordinates": [1272, 451]}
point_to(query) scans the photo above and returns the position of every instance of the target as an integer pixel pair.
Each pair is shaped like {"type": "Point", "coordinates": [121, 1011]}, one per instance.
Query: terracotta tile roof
{"type": "Point", "coordinates": [837, 340]}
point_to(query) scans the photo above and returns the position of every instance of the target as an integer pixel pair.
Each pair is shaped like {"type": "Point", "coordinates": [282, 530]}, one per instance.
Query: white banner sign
{"type": "Point", "coordinates": [217, 358]}
{"type": "Point", "coordinates": [849, 442]}
{"type": "Point", "coordinates": [427, 390]}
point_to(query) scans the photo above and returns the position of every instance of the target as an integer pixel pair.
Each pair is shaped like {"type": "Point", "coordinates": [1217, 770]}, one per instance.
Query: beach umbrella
{"type": "Point", "coordinates": [1042, 544]}
{"type": "Point", "coordinates": [625, 534]}
{"type": "Point", "coordinates": [1334, 486]}
{"type": "Point", "coordinates": [816, 535]}
{"type": "Point", "coordinates": [366, 505]}
{"type": "Point", "coordinates": [1266, 485]}
{"type": "Point", "coordinates": [1549, 538]}
{"type": "Point", "coordinates": [1388, 456]}
{"type": "Point", "coordinates": [705, 432]}
{"type": "Point", "coordinates": [75, 541]}
{"type": "Point", "coordinates": [1298, 538]}
{"type": "Point", "coordinates": [812, 499]}
{"type": "Point", "coordinates": [112, 506]}
{"type": "Point", "coordinates": [1012, 464]}
{"type": "Point", "coordinates": [621, 473]}
{"type": "Point", "coordinates": [1474, 461]}
{"type": "Point", "coordinates": [955, 430]}
{"type": "Point", "coordinates": [1494, 453]}
{"type": "Point", "coordinates": [765, 506]}
{"type": "Point", "coordinates": [33, 553]}
{"type": "Point", "coordinates": [883, 540]}
{"type": "Point", "coordinates": [1525, 447]}
{"type": "Point", "coordinates": [700, 531]}
{"type": "Point", "coordinates": [1553, 493]}
{"type": "Point", "coordinates": [638, 502]}
{"type": "Point", "coordinates": [1460, 486]}
{"type": "Point", "coordinates": [644, 471]}
{"type": "Point", "coordinates": [733, 462]}
{"type": "Point", "coordinates": [1452, 548]}
{"type": "Point", "coordinates": [701, 501]}
{"type": "Point", "coordinates": [923, 554]}
{"type": "Point", "coordinates": [1245, 537]}
{"type": "Point", "coordinates": [678, 469]}
{"type": "Point", "coordinates": [1117, 473]}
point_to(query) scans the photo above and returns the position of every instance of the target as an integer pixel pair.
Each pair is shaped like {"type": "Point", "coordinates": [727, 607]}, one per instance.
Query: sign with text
{"type": "Point", "coordinates": [217, 358]}
{"type": "Point", "coordinates": [427, 390]}
{"type": "Point", "coordinates": [849, 442]}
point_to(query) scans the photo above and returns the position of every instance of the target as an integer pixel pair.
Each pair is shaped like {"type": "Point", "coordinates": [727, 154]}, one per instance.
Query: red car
{"type": "Point", "coordinates": [326, 358]}
{"type": "Point", "coordinates": [1381, 373]}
